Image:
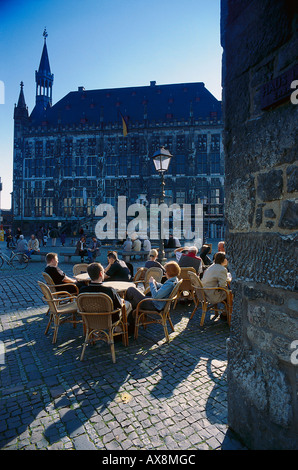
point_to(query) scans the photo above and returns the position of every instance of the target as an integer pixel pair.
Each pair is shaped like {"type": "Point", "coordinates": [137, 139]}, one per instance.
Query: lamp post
{"type": "Point", "coordinates": [161, 160]}
{"type": "Point", "coordinates": [204, 202]}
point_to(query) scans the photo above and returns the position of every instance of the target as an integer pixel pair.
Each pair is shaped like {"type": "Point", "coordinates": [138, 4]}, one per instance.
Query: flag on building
{"type": "Point", "coordinates": [124, 124]}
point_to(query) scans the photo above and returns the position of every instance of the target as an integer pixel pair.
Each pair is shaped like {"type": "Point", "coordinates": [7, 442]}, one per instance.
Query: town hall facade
{"type": "Point", "coordinates": [95, 145]}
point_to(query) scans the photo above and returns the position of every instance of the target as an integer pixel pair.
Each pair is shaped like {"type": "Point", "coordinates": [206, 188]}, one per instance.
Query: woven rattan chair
{"type": "Point", "coordinates": [58, 287]}
{"type": "Point", "coordinates": [200, 299]}
{"type": "Point", "coordinates": [139, 275]}
{"type": "Point", "coordinates": [79, 268]}
{"type": "Point", "coordinates": [96, 310]}
{"type": "Point", "coordinates": [155, 272]}
{"type": "Point", "coordinates": [146, 317]}
{"type": "Point", "coordinates": [62, 306]}
{"type": "Point", "coordinates": [185, 285]}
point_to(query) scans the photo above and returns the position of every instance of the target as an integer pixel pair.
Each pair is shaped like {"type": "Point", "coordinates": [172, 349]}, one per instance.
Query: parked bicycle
{"type": "Point", "coordinates": [16, 260]}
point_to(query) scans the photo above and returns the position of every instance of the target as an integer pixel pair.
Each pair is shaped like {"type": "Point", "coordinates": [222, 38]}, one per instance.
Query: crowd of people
{"type": "Point", "coordinates": [211, 270]}
{"type": "Point", "coordinates": [213, 273]}
{"type": "Point", "coordinates": [42, 236]}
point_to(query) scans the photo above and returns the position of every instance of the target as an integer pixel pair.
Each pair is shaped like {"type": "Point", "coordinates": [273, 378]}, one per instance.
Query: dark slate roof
{"type": "Point", "coordinates": [159, 102]}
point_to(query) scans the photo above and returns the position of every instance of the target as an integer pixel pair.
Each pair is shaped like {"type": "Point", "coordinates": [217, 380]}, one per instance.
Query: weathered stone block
{"type": "Point", "coordinates": [289, 215]}
{"type": "Point", "coordinates": [269, 213]}
{"type": "Point", "coordinates": [292, 178]}
{"type": "Point", "coordinates": [270, 185]}
{"type": "Point", "coordinates": [256, 315]}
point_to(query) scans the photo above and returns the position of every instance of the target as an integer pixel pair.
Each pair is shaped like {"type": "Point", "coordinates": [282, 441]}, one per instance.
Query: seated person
{"type": "Point", "coordinates": [33, 246]}
{"type": "Point", "coordinates": [127, 245]}
{"type": "Point", "coordinates": [205, 250]}
{"type": "Point", "coordinates": [146, 244]}
{"type": "Point", "coordinates": [136, 244]}
{"type": "Point", "coordinates": [58, 276]}
{"type": "Point", "coordinates": [116, 270]}
{"type": "Point", "coordinates": [152, 263]}
{"type": "Point", "coordinates": [96, 274]}
{"type": "Point", "coordinates": [221, 247]}
{"type": "Point", "coordinates": [158, 290]}
{"type": "Point", "coordinates": [182, 250]}
{"type": "Point", "coordinates": [93, 249]}
{"type": "Point", "coordinates": [217, 276]}
{"type": "Point", "coordinates": [81, 248]}
{"type": "Point", "coordinates": [191, 260]}
{"type": "Point", "coordinates": [22, 245]}
{"type": "Point", "coordinates": [173, 242]}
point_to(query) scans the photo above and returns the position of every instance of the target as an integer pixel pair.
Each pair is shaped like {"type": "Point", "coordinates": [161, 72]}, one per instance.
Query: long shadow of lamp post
{"type": "Point", "coordinates": [161, 160]}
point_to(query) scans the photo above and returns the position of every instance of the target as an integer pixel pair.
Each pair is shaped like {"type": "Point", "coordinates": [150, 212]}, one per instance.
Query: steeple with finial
{"type": "Point", "coordinates": [44, 78]}
{"type": "Point", "coordinates": [21, 110]}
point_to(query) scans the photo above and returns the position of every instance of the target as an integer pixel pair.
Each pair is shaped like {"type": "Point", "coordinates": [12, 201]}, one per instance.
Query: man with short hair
{"type": "Point", "coordinates": [57, 275]}
{"type": "Point", "coordinates": [217, 276]}
{"type": "Point", "coordinates": [116, 270]}
{"type": "Point", "coordinates": [96, 274]}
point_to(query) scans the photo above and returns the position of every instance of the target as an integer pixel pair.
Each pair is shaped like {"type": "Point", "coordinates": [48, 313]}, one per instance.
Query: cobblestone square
{"type": "Point", "coordinates": [157, 396]}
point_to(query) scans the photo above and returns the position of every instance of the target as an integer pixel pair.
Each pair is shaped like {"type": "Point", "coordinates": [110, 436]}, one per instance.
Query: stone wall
{"type": "Point", "coordinates": [260, 44]}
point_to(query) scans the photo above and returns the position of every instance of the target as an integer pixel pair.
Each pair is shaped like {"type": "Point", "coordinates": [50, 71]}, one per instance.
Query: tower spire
{"type": "Point", "coordinates": [44, 78]}
{"type": "Point", "coordinates": [21, 110]}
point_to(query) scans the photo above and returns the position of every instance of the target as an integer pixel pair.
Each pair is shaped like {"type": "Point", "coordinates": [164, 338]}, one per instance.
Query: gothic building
{"type": "Point", "coordinates": [73, 155]}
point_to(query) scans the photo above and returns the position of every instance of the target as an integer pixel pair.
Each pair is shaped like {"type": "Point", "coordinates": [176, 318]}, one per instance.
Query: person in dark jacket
{"type": "Point", "coordinates": [116, 270]}
{"type": "Point", "coordinates": [191, 260]}
{"type": "Point", "coordinates": [81, 248]}
{"type": "Point", "coordinates": [96, 274]}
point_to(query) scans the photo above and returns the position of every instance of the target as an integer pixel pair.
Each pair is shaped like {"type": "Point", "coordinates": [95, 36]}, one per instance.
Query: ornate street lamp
{"type": "Point", "coordinates": [161, 160]}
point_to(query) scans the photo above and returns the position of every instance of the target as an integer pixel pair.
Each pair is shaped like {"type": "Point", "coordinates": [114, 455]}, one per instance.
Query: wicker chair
{"type": "Point", "coordinates": [96, 310]}
{"type": "Point", "coordinates": [155, 272]}
{"type": "Point", "coordinates": [200, 299]}
{"type": "Point", "coordinates": [186, 284]}
{"type": "Point", "coordinates": [79, 268]}
{"type": "Point", "coordinates": [58, 287]}
{"type": "Point", "coordinates": [146, 317]}
{"type": "Point", "coordinates": [139, 275]}
{"type": "Point", "coordinates": [62, 306]}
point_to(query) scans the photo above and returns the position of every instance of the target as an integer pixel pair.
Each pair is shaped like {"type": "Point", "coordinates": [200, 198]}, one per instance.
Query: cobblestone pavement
{"type": "Point", "coordinates": [157, 396]}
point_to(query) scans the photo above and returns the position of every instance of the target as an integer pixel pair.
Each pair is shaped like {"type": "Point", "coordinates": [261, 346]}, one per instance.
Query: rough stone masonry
{"type": "Point", "coordinates": [260, 62]}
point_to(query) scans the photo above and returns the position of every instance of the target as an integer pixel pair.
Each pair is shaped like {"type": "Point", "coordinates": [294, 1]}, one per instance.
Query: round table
{"type": "Point", "coordinates": [120, 286]}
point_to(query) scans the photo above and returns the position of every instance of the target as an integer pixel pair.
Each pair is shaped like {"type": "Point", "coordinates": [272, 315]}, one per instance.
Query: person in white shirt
{"type": "Point", "coordinates": [146, 245]}
{"type": "Point", "coordinates": [217, 276]}
{"type": "Point", "coordinates": [136, 244]}
{"type": "Point", "coordinates": [33, 246]}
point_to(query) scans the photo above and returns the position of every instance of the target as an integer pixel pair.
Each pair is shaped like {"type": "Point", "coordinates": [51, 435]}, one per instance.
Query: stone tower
{"type": "Point", "coordinates": [260, 64]}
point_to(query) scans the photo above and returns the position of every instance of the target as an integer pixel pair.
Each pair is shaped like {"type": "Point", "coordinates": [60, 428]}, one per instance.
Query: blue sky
{"type": "Point", "coordinates": [103, 44]}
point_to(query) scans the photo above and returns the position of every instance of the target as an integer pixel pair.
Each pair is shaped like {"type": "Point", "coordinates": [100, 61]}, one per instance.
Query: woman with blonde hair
{"type": "Point", "coordinates": [158, 290]}
{"type": "Point", "coordinates": [152, 261]}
